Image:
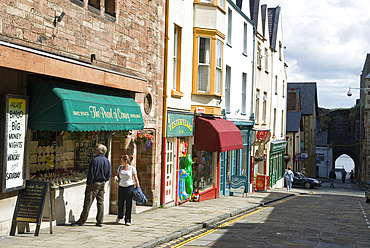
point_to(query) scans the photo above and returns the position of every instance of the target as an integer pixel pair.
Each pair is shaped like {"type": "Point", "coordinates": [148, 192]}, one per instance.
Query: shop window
{"type": "Point", "coordinates": [63, 157]}
{"type": "Point", "coordinates": [207, 71]}
{"type": "Point", "coordinates": [203, 170]}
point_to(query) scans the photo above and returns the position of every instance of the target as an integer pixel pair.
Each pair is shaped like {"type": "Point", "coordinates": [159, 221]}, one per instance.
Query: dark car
{"type": "Point", "coordinates": [367, 192]}
{"type": "Point", "coordinates": [301, 180]}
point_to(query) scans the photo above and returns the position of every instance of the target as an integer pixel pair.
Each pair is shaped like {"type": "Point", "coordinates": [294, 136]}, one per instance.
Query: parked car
{"type": "Point", "coordinates": [367, 192]}
{"type": "Point", "coordinates": [301, 180]}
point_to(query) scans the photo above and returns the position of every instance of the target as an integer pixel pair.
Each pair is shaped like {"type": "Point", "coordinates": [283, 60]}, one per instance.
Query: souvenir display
{"type": "Point", "coordinates": [61, 158]}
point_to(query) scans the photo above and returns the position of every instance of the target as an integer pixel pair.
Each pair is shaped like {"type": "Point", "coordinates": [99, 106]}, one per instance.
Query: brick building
{"type": "Point", "coordinates": [104, 51]}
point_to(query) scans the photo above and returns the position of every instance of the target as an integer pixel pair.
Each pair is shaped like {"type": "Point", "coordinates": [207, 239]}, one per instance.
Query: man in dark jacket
{"type": "Point", "coordinates": [99, 173]}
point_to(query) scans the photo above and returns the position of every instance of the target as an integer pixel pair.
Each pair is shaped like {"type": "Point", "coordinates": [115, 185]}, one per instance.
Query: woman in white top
{"type": "Point", "coordinates": [126, 176]}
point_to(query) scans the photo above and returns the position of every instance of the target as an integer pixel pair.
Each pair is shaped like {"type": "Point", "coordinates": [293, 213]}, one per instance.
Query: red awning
{"type": "Point", "coordinates": [216, 135]}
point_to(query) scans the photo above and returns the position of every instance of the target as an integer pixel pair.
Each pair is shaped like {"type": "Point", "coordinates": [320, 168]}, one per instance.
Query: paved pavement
{"type": "Point", "coordinates": [153, 227]}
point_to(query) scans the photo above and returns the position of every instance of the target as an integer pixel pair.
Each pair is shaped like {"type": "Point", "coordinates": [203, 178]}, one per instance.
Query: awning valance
{"type": "Point", "coordinates": [216, 135]}
{"type": "Point", "coordinates": [55, 107]}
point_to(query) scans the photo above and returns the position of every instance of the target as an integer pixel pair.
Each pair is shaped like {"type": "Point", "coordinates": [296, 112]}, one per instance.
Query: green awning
{"type": "Point", "coordinates": [55, 107]}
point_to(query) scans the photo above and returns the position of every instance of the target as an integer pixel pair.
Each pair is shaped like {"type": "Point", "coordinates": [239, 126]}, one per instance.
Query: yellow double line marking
{"type": "Point", "coordinates": [227, 223]}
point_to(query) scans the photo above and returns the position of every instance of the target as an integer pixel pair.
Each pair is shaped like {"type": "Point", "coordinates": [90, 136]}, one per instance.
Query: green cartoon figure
{"type": "Point", "coordinates": [186, 164]}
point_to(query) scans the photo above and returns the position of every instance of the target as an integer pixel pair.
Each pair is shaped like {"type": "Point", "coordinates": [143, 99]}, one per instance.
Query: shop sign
{"type": "Point", "coordinates": [263, 136]}
{"type": "Point", "coordinates": [278, 147]}
{"type": "Point", "coordinates": [238, 184]}
{"type": "Point", "coordinates": [15, 134]}
{"type": "Point", "coordinates": [179, 125]}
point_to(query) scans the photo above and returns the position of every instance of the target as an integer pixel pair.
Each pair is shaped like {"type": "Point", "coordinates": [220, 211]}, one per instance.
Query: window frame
{"type": "Point", "coordinates": [219, 3]}
{"type": "Point", "coordinates": [244, 93]}
{"type": "Point", "coordinates": [227, 89]}
{"type": "Point", "coordinates": [214, 36]}
{"type": "Point", "coordinates": [264, 107]}
{"type": "Point", "coordinates": [229, 26]}
{"type": "Point", "coordinates": [245, 39]}
{"type": "Point", "coordinates": [257, 105]}
{"type": "Point", "coordinates": [176, 58]}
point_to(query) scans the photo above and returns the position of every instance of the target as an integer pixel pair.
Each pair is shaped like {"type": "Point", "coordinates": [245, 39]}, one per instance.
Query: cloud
{"type": "Point", "coordinates": [327, 42]}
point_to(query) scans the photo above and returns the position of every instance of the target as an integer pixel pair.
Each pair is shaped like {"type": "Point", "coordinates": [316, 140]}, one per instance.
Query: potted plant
{"type": "Point", "coordinates": [144, 137]}
{"type": "Point", "coordinates": [259, 158]}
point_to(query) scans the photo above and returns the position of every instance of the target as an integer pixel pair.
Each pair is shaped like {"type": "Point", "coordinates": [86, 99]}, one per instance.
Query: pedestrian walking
{"type": "Point", "coordinates": [344, 173]}
{"type": "Point", "coordinates": [288, 175]}
{"type": "Point", "coordinates": [127, 178]}
{"type": "Point", "coordinates": [332, 176]}
{"type": "Point", "coordinates": [351, 176]}
{"type": "Point", "coordinates": [98, 173]}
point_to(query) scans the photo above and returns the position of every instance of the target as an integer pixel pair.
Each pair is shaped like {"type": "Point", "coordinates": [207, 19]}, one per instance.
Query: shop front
{"type": "Point", "coordinates": [66, 122]}
{"type": "Point", "coordinates": [177, 179]}
{"type": "Point", "coordinates": [259, 155]}
{"type": "Point", "coordinates": [217, 143]}
{"type": "Point", "coordinates": [276, 163]}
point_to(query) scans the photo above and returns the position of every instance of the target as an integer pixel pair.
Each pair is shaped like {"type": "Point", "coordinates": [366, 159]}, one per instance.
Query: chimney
{"type": "Point", "coordinates": [292, 100]}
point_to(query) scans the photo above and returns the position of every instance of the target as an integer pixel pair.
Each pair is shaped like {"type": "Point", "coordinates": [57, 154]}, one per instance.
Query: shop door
{"type": "Point", "coordinates": [222, 173]}
{"type": "Point", "coordinates": [169, 171]}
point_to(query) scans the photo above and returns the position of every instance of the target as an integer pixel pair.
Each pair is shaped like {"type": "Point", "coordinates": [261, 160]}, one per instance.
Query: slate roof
{"type": "Point", "coordinates": [254, 9]}
{"type": "Point", "coordinates": [293, 120]}
{"type": "Point", "coordinates": [263, 15]}
{"type": "Point", "coordinates": [307, 95]}
{"type": "Point", "coordinates": [273, 17]}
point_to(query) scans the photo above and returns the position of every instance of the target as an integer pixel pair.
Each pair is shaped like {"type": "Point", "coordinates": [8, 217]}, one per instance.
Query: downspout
{"type": "Point", "coordinates": [164, 118]}
{"type": "Point", "coordinates": [252, 114]}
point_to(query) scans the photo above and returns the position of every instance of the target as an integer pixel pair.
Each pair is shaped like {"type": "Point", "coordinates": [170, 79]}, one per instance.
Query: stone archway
{"type": "Point", "coordinates": [344, 135]}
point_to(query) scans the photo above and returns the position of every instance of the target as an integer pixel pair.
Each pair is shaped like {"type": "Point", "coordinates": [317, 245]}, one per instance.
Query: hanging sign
{"type": "Point", "coordinates": [14, 138]}
{"type": "Point", "coordinates": [179, 125]}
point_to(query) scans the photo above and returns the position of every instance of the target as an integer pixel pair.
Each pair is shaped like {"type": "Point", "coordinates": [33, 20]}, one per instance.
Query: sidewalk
{"type": "Point", "coordinates": [150, 228]}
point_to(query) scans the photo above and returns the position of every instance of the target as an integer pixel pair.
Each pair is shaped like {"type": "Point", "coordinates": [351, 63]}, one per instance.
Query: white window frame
{"type": "Point", "coordinates": [205, 64]}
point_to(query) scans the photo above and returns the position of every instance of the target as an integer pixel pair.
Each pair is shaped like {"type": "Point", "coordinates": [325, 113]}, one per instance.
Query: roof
{"type": "Point", "coordinates": [273, 18]}
{"type": "Point", "coordinates": [254, 9]}
{"type": "Point", "coordinates": [321, 135]}
{"type": "Point", "coordinates": [307, 96]}
{"type": "Point", "coordinates": [293, 120]}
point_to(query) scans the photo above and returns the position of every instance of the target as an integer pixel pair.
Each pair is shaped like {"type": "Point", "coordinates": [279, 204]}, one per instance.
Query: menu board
{"type": "Point", "coordinates": [30, 204]}
{"type": "Point", "coordinates": [14, 138]}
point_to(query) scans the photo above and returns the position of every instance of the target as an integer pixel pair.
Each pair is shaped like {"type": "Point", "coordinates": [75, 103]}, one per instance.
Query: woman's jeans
{"type": "Point", "coordinates": [125, 196]}
{"type": "Point", "coordinates": [332, 182]}
{"type": "Point", "coordinates": [289, 185]}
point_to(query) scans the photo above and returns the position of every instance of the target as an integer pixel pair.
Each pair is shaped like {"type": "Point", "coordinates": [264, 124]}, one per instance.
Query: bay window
{"type": "Point", "coordinates": [208, 62]}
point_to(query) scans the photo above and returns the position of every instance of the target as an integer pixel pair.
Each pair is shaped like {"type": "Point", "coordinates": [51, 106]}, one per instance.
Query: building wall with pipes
{"type": "Point", "coordinates": [116, 44]}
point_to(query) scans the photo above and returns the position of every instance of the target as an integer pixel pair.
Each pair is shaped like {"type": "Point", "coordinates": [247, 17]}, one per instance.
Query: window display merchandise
{"type": "Point", "coordinates": [62, 157]}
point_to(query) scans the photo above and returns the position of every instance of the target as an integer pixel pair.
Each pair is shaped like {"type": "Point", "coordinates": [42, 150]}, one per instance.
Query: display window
{"type": "Point", "coordinates": [63, 157]}
{"type": "Point", "coordinates": [202, 170]}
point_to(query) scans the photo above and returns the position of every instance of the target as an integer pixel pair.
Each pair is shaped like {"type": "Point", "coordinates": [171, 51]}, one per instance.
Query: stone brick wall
{"type": "Point", "coordinates": [130, 42]}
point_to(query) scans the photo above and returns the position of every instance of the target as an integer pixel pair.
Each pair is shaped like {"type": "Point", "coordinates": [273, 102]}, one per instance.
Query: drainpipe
{"type": "Point", "coordinates": [164, 118]}
{"type": "Point", "coordinates": [252, 114]}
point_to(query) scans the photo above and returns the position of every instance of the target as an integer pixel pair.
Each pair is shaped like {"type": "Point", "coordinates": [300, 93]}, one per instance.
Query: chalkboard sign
{"type": "Point", "coordinates": [30, 205]}
{"type": "Point", "coordinates": [238, 184]}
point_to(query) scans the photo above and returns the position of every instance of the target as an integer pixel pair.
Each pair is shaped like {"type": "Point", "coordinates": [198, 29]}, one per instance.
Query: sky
{"type": "Point", "coordinates": [326, 42]}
